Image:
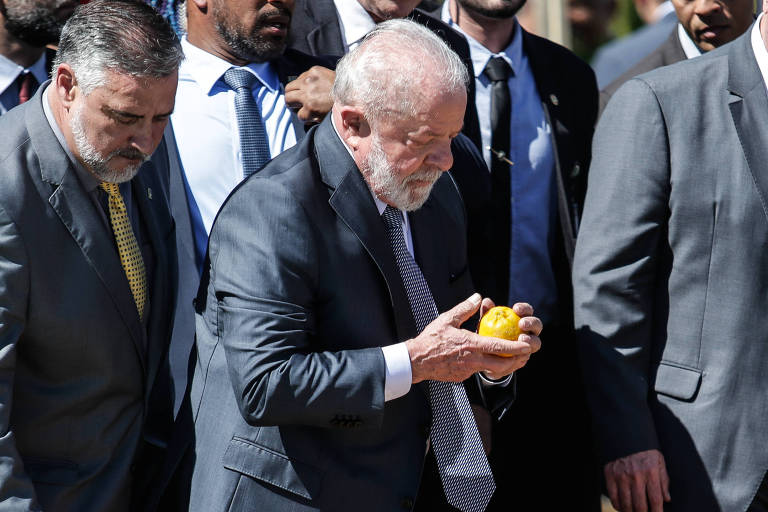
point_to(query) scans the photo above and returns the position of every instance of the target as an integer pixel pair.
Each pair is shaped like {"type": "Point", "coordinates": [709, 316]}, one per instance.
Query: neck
{"type": "Point", "coordinates": [17, 50]}
{"type": "Point", "coordinates": [493, 33]}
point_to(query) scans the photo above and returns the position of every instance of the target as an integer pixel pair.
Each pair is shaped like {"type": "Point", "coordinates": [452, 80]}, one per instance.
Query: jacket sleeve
{"type": "Point", "coordinates": [618, 263]}
{"type": "Point", "coordinates": [264, 287]}
{"type": "Point", "coordinates": [16, 490]}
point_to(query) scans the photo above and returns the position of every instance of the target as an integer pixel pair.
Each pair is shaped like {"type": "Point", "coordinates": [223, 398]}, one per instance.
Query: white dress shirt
{"type": "Point", "coordinates": [355, 22]}
{"type": "Point", "coordinates": [758, 46]}
{"type": "Point", "coordinates": [205, 124]}
{"type": "Point", "coordinates": [9, 72]}
{"type": "Point", "coordinates": [689, 47]}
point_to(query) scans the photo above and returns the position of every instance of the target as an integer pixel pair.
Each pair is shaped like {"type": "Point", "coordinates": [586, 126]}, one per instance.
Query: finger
{"type": "Point", "coordinates": [654, 491]}
{"type": "Point", "coordinates": [612, 488]}
{"type": "Point", "coordinates": [294, 99]}
{"type": "Point", "coordinates": [462, 311]}
{"type": "Point", "coordinates": [664, 480]}
{"type": "Point", "coordinates": [625, 495]}
{"type": "Point", "coordinates": [523, 309]}
{"type": "Point", "coordinates": [499, 347]}
{"type": "Point", "coordinates": [485, 306]}
{"type": "Point", "coordinates": [497, 367]}
{"type": "Point", "coordinates": [530, 324]}
{"type": "Point", "coordinates": [293, 85]}
{"type": "Point", "coordinates": [639, 487]}
{"type": "Point", "coordinates": [533, 341]}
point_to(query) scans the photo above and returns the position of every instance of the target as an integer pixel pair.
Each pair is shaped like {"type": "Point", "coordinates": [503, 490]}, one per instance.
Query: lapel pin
{"type": "Point", "coordinates": [149, 193]}
{"type": "Point", "coordinates": [501, 155]}
{"type": "Point", "coordinates": [553, 99]}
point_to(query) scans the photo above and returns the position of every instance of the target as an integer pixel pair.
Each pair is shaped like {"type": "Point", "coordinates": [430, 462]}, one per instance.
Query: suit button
{"type": "Point", "coordinates": [407, 503]}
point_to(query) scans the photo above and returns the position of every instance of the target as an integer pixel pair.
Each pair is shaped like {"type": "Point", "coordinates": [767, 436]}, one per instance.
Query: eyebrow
{"type": "Point", "coordinates": [111, 112]}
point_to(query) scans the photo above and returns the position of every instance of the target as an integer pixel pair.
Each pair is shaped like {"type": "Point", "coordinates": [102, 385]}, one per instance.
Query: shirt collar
{"type": "Point", "coordinates": [206, 69]}
{"type": "Point", "coordinates": [758, 47]}
{"type": "Point", "coordinates": [689, 47]}
{"type": "Point", "coordinates": [9, 70]}
{"type": "Point", "coordinates": [87, 180]}
{"type": "Point", "coordinates": [355, 21]}
{"type": "Point", "coordinates": [513, 53]}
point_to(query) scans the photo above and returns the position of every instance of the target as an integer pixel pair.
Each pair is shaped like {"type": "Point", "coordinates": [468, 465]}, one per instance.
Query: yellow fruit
{"type": "Point", "coordinates": [500, 322]}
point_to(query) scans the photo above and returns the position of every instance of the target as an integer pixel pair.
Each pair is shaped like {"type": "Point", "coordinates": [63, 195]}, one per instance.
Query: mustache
{"type": "Point", "coordinates": [279, 11]}
{"type": "Point", "coordinates": [130, 154]}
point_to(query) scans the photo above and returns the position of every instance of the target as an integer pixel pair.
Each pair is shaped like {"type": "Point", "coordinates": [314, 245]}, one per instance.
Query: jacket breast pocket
{"type": "Point", "coordinates": [677, 381]}
{"type": "Point", "coordinates": [274, 468]}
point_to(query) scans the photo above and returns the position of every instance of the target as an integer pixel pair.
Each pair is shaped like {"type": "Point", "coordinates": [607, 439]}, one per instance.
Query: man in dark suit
{"type": "Point", "coordinates": [670, 279]}
{"type": "Point", "coordinates": [703, 26]}
{"type": "Point", "coordinates": [87, 269]}
{"type": "Point", "coordinates": [319, 305]}
{"type": "Point", "coordinates": [316, 29]}
{"type": "Point", "coordinates": [540, 113]}
{"type": "Point", "coordinates": [25, 30]}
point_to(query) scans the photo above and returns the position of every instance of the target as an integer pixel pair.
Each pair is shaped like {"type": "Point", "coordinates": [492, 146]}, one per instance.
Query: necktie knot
{"type": "Point", "coordinates": [498, 69]}
{"type": "Point", "coordinates": [393, 218]}
{"type": "Point", "coordinates": [238, 78]}
{"type": "Point", "coordinates": [112, 189]}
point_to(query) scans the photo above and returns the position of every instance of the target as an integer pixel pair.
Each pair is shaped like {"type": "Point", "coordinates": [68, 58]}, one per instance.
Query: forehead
{"type": "Point", "coordinates": [142, 95]}
{"type": "Point", "coordinates": [440, 114]}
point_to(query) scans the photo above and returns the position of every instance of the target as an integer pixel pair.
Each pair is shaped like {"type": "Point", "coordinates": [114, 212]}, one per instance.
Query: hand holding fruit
{"type": "Point", "coordinates": [445, 352]}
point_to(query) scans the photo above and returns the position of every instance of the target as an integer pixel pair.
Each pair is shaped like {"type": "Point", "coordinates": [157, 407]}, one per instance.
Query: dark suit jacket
{"type": "Point", "coordinates": [671, 257]}
{"type": "Point", "coordinates": [669, 52]}
{"type": "Point", "coordinates": [302, 290]}
{"type": "Point", "coordinates": [315, 30]}
{"type": "Point", "coordinates": [81, 378]}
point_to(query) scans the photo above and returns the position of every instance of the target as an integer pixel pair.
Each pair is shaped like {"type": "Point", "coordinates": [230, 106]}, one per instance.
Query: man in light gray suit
{"type": "Point", "coordinates": [311, 388]}
{"type": "Point", "coordinates": [87, 269]}
{"type": "Point", "coordinates": [670, 280]}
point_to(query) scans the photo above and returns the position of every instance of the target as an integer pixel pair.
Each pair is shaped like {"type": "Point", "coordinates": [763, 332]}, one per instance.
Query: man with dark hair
{"type": "Point", "coordinates": [26, 27]}
{"type": "Point", "coordinates": [87, 268]}
{"type": "Point", "coordinates": [537, 104]}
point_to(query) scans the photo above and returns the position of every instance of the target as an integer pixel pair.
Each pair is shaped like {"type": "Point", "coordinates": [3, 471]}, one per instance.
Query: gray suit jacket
{"type": "Point", "coordinates": [615, 58]}
{"type": "Point", "coordinates": [670, 52]}
{"type": "Point", "coordinates": [81, 380]}
{"type": "Point", "coordinates": [671, 272]}
{"type": "Point", "coordinates": [302, 291]}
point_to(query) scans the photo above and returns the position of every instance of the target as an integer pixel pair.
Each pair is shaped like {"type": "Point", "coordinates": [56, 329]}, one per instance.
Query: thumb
{"type": "Point", "coordinates": [462, 311]}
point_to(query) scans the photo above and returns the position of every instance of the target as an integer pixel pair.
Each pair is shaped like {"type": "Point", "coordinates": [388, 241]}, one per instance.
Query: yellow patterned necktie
{"type": "Point", "coordinates": [130, 255]}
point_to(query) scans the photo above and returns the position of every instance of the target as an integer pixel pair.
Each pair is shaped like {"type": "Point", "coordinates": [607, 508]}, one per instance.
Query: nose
{"type": "Point", "coordinates": [707, 7]}
{"type": "Point", "coordinates": [442, 157]}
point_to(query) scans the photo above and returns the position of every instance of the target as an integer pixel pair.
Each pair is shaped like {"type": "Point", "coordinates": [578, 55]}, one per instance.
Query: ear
{"type": "Point", "coordinates": [353, 126]}
{"type": "Point", "coordinates": [64, 84]}
{"type": "Point", "coordinates": [201, 4]}
{"type": "Point", "coordinates": [765, 6]}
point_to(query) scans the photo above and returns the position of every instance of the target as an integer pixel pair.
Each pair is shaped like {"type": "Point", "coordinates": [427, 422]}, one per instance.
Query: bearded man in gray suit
{"type": "Point", "coordinates": [87, 269]}
{"type": "Point", "coordinates": [670, 281]}
{"type": "Point", "coordinates": [311, 385]}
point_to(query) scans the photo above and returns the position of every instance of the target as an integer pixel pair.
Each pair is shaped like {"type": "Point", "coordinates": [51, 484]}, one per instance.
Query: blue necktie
{"type": "Point", "coordinates": [254, 144]}
{"type": "Point", "coordinates": [464, 470]}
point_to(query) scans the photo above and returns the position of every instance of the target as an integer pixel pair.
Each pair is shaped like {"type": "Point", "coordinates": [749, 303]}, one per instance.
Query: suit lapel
{"type": "Point", "coordinates": [353, 203]}
{"type": "Point", "coordinates": [80, 217]}
{"type": "Point", "coordinates": [672, 51]}
{"type": "Point", "coordinates": [327, 32]}
{"type": "Point", "coordinates": [550, 103]}
{"type": "Point", "coordinates": [150, 201]}
{"type": "Point", "coordinates": [749, 108]}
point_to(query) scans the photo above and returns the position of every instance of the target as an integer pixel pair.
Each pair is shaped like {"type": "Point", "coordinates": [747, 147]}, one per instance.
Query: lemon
{"type": "Point", "coordinates": [500, 322]}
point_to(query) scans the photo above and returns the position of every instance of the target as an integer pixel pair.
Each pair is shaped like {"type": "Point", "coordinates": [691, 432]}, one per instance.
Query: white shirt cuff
{"type": "Point", "coordinates": [490, 383]}
{"type": "Point", "coordinates": [398, 379]}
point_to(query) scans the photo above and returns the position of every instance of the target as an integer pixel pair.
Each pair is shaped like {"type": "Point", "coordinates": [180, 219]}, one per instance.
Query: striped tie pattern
{"type": "Point", "coordinates": [254, 145]}
{"type": "Point", "coordinates": [464, 470]}
{"type": "Point", "coordinates": [127, 247]}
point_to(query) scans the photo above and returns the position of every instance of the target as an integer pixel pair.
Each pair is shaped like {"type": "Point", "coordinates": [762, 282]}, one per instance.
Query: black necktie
{"type": "Point", "coordinates": [498, 71]}
{"type": "Point", "coordinates": [27, 86]}
{"type": "Point", "coordinates": [254, 144]}
{"type": "Point", "coordinates": [467, 479]}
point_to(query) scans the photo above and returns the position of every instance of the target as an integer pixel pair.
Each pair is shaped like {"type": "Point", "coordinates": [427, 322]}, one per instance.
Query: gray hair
{"type": "Point", "coordinates": [386, 74]}
{"type": "Point", "coordinates": [124, 36]}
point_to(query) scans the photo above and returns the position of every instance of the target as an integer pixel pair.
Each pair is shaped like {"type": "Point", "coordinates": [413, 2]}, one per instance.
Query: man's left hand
{"type": "Point", "coordinates": [310, 94]}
